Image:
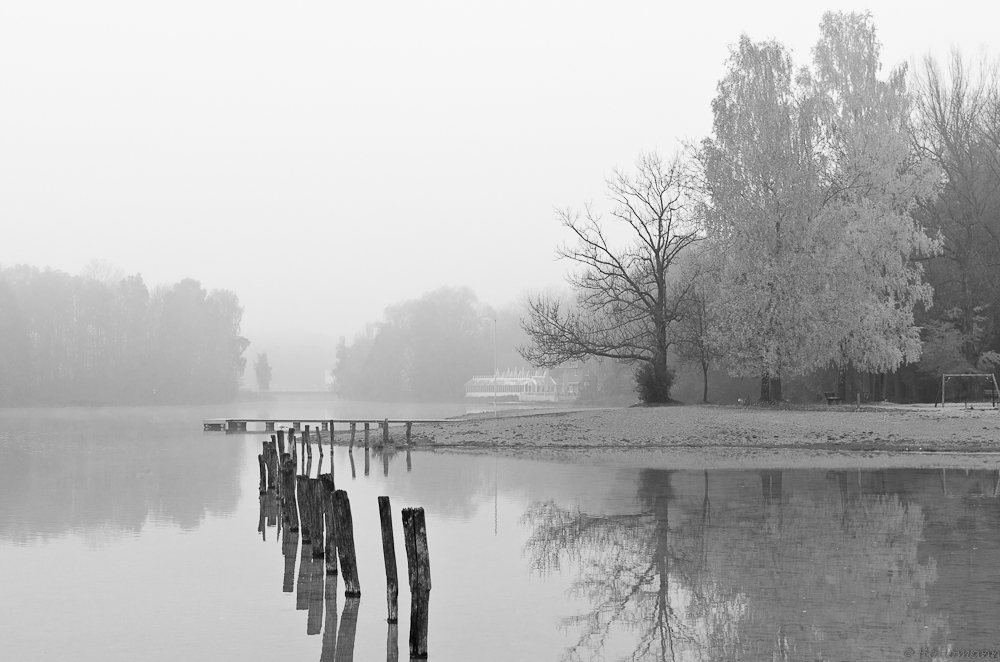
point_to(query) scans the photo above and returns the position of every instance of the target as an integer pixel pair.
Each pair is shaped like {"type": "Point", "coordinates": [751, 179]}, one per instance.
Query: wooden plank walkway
{"type": "Point", "coordinates": [270, 424]}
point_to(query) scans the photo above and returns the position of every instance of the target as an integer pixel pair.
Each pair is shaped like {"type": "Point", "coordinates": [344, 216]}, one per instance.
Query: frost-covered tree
{"type": "Point", "coordinates": [811, 177]}
{"type": "Point", "coordinates": [872, 181]}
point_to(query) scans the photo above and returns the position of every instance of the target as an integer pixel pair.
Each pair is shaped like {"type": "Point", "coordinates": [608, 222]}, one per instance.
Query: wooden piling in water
{"type": "Point", "coordinates": [263, 473]}
{"type": "Point", "coordinates": [419, 571]}
{"type": "Point", "coordinates": [409, 426]}
{"type": "Point", "coordinates": [271, 462]}
{"type": "Point", "coordinates": [385, 433]}
{"type": "Point", "coordinates": [350, 456]}
{"type": "Point", "coordinates": [331, 443]}
{"type": "Point", "coordinates": [330, 540]}
{"type": "Point", "coordinates": [367, 461]}
{"type": "Point", "coordinates": [281, 443]}
{"type": "Point", "coordinates": [344, 527]}
{"type": "Point", "coordinates": [305, 516]}
{"type": "Point", "coordinates": [385, 463]}
{"type": "Point", "coordinates": [286, 490]}
{"type": "Point", "coordinates": [366, 436]}
{"type": "Point", "coordinates": [408, 465]}
{"type": "Point", "coordinates": [350, 446]}
{"type": "Point", "coordinates": [319, 517]}
{"type": "Point", "coordinates": [306, 443]}
{"type": "Point", "coordinates": [389, 556]}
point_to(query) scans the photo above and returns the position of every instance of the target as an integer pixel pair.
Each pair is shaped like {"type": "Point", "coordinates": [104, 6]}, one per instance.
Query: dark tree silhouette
{"type": "Point", "coordinates": [625, 302]}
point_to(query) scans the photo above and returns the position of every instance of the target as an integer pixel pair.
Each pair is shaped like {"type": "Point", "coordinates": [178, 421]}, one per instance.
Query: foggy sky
{"type": "Point", "coordinates": [324, 160]}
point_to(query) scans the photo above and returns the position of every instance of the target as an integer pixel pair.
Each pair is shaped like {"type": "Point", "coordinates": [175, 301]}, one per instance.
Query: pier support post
{"type": "Point", "coordinates": [419, 570]}
{"type": "Point", "coordinates": [389, 555]}
{"type": "Point", "coordinates": [344, 527]}
{"type": "Point", "coordinates": [350, 446]}
{"type": "Point", "coordinates": [385, 432]}
{"type": "Point", "coordinates": [263, 473]}
{"type": "Point", "coordinates": [366, 436]}
{"type": "Point", "coordinates": [281, 443]}
{"type": "Point", "coordinates": [330, 546]}
{"type": "Point", "coordinates": [409, 426]}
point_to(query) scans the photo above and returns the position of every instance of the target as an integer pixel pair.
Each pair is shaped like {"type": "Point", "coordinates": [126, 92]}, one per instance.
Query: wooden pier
{"type": "Point", "coordinates": [272, 424]}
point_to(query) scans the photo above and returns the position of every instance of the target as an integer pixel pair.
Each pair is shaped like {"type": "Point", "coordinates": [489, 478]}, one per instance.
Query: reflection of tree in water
{"type": "Point", "coordinates": [729, 565]}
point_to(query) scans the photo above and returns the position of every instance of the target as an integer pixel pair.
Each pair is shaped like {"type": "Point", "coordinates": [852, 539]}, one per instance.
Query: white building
{"type": "Point", "coordinates": [520, 385]}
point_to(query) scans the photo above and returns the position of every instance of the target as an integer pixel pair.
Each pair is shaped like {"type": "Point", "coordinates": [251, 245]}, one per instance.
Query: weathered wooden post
{"type": "Point", "coordinates": [409, 426]}
{"type": "Point", "coordinates": [305, 512]}
{"type": "Point", "coordinates": [292, 446]}
{"type": "Point", "coordinates": [408, 465]}
{"type": "Point", "coordinates": [281, 443]}
{"type": "Point", "coordinates": [263, 473]}
{"type": "Point", "coordinates": [271, 460]}
{"type": "Point", "coordinates": [316, 494]}
{"type": "Point", "coordinates": [350, 446]}
{"type": "Point", "coordinates": [306, 443]}
{"type": "Point", "coordinates": [344, 527]}
{"type": "Point", "coordinates": [330, 543]}
{"type": "Point", "coordinates": [350, 456]}
{"type": "Point", "coordinates": [262, 522]}
{"type": "Point", "coordinates": [366, 436]}
{"type": "Point", "coordinates": [319, 443]}
{"type": "Point", "coordinates": [367, 461]}
{"type": "Point", "coordinates": [389, 555]}
{"type": "Point", "coordinates": [385, 433]}
{"type": "Point", "coordinates": [419, 570]}
{"type": "Point", "coordinates": [286, 488]}
{"type": "Point", "coordinates": [385, 463]}
{"type": "Point", "coordinates": [331, 441]}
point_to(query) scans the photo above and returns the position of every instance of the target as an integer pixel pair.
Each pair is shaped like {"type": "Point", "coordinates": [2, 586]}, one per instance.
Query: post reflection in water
{"type": "Point", "coordinates": [767, 565]}
{"type": "Point", "coordinates": [300, 505]}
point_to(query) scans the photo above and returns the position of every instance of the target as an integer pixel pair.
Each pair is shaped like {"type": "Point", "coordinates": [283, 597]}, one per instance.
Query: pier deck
{"type": "Point", "coordinates": [271, 424]}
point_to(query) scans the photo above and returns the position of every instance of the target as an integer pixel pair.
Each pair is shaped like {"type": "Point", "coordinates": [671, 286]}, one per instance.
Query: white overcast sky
{"type": "Point", "coordinates": [324, 160]}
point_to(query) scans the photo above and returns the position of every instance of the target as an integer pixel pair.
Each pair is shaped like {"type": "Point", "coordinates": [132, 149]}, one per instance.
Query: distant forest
{"type": "Point", "coordinates": [426, 349]}
{"type": "Point", "coordinates": [89, 340]}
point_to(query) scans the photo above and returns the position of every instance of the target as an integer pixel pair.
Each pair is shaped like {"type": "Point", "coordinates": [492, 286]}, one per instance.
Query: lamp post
{"type": "Point", "coordinates": [495, 410]}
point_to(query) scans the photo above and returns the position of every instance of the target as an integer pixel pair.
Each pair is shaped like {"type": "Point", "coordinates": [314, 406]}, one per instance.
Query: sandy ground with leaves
{"type": "Point", "coordinates": [914, 435]}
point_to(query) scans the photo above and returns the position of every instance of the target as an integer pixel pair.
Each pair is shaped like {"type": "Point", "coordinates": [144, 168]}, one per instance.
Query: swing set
{"type": "Point", "coordinates": [971, 389]}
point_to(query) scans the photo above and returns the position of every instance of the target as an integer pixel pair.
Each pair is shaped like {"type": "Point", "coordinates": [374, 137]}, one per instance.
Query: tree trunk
{"type": "Point", "coordinates": [765, 388]}
{"type": "Point", "coordinates": [776, 389]}
{"type": "Point", "coordinates": [704, 392]}
{"type": "Point", "coordinates": [842, 382]}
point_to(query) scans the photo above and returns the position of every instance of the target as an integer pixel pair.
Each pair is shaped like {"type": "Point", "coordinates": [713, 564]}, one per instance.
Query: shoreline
{"type": "Point", "coordinates": [842, 429]}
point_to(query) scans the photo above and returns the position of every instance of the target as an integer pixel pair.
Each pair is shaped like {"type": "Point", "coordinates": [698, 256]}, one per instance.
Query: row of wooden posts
{"type": "Point", "coordinates": [313, 509]}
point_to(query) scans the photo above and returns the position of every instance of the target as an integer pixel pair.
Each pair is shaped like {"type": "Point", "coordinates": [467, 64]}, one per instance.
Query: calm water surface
{"type": "Point", "coordinates": [129, 534]}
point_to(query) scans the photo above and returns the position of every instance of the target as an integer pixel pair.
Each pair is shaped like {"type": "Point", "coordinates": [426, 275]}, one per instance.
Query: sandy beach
{"type": "Point", "coordinates": [899, 428]}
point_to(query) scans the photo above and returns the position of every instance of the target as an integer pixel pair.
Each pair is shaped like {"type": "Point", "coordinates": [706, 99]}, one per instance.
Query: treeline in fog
{"type": "Point", "coordinates": [839, 230]}
{"type": "Point", "coordinates": [91, 340]}
{"type": "Point", "coordinates": [427, 348]}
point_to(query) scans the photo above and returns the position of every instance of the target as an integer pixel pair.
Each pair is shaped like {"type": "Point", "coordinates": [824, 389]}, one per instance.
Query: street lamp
{"type": "Point", "coordinates": [495, 410]}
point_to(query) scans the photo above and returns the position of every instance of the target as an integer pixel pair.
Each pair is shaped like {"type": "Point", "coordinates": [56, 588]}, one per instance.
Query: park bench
{"type": "Point", "coordinates": [832, 398]}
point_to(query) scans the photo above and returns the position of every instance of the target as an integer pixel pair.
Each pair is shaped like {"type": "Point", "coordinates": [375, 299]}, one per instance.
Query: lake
{"type": "Point", "coordinates": [130, 534]}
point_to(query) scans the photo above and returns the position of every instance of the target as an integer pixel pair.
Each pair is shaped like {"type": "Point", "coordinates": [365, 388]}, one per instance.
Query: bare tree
{"type": "Point", "coordinates": [624, 300]}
